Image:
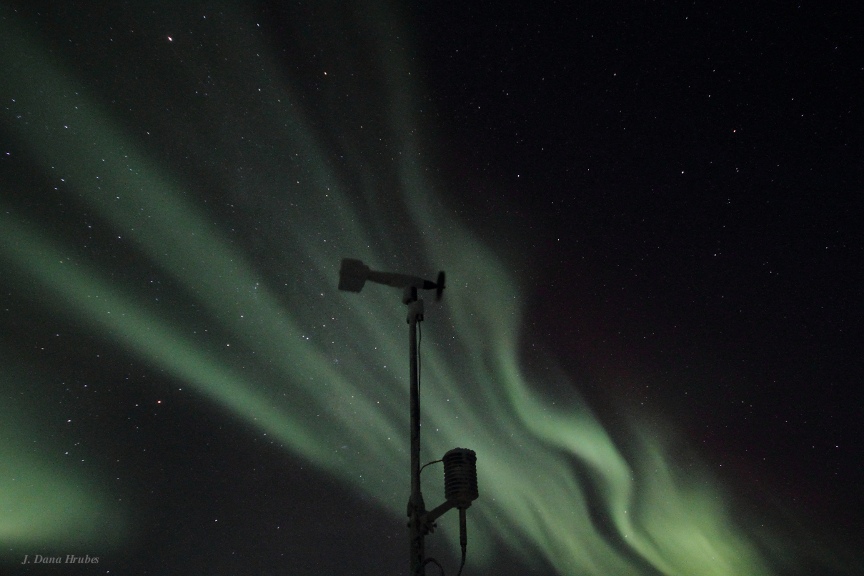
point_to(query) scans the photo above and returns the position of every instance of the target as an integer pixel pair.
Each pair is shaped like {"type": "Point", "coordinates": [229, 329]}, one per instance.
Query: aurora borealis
{"type": "Point", "coordinates": [180, 184]}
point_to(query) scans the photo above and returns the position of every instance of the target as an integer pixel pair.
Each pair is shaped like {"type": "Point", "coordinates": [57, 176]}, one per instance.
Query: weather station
{"type": "Point", "coordinates": [460, 464]}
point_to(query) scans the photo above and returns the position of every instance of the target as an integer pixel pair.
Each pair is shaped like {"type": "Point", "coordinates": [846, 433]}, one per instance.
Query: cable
{"type": "Point", "coordinates": [463, 539]}
{"type": "Point", "coordinates": [461, 564]}
{"type": "Point", "coordinates": [428, 463]}
{"type": "Point", "coordinates": [431, 561]}
{"type": "Point", "coordinates": [419, 340]}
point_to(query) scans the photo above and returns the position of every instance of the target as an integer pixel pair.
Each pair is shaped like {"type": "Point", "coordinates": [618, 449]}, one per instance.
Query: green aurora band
{"type": "Point", "coordinates": [284, 350]}
{"type": "Point", "coordinates": [41, 499]}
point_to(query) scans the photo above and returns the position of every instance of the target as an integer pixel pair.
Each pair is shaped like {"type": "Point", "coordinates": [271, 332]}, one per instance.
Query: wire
{"type": "Point", "coordinates": [432, 561]}
{"type": "Point", "coordinates": [428, 463]}
{"type": "Point", "coordinates": [419, 340]}
{"type": "Point", "coordinates": [461, 564]}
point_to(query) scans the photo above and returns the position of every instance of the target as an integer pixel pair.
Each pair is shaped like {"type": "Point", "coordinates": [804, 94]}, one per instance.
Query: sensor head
{"type": "Point", "coordinates": [460, 477]}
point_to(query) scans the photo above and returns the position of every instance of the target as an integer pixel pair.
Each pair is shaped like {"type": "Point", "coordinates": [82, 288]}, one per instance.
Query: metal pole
{"type": "Point", "coordinates": [416, 507]}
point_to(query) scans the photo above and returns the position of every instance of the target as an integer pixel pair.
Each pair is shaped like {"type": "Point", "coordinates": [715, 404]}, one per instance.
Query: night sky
{"type": "Point", "coordinates": [650, 219]}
